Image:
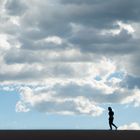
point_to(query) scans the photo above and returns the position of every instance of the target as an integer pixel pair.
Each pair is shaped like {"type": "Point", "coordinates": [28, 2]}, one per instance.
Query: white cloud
{"type": "Point", "coordinates": [20, 107]}
{"type": "Point", "coordinates": [7, 88]}
{"type": "Point", "coordinates": [87, 107]}
{"type": "Point", "coordinates": [4, 44]}
{"type": "Point", "coordinates": [133, 98]}
{"type": "Point", "coordinates": [50, 102]}
{"type": "Point", "coordinates": [132, 126]}
{"type": "Point", "coordinates": [127, 27]}
{"type": "Point", "coordinates": [54, 39]}
{"type": "Point", "coordinates": [15, 20]}
{"type": "Point", "coordinates": [74, 97]}
{"type": "Point", "coordinates": [58, 70]}
{"type": "Point", "coordinates": [121, 26]}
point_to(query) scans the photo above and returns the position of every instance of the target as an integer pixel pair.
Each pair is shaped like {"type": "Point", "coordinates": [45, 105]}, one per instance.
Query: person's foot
{"type": "Point", "coordinates": [116, 127]}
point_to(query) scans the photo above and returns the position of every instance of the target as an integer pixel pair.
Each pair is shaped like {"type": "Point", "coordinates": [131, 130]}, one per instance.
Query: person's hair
{"type": "Point", "coordinates": [109, 108]}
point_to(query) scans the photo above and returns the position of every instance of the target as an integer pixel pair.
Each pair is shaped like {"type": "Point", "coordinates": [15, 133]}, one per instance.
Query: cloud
{"type": "Point", "coordinates": [133, 98]}
{"type": "Point", "coordinates": [15, 7]}
{"type": "Point", "coordinates": [20, 107]}
{"type": "Point", "coordinates": [75, 47]}
{"type": "Point", "coordinates": [107, 12]}
{"type": "Point", "coordinates": [73, 98]}
{"type": "Point", "coordinates": [131, 82]}
{"type": "Point", "coordinates": [42, 70]}
{"type": "Point", "coordinates": [132, 126]}
{"type": "Point", "coordinates": [50, 103]}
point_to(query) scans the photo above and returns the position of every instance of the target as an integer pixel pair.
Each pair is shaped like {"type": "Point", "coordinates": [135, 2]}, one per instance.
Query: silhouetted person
{"type": "Point", "coordinates": [111, 118]}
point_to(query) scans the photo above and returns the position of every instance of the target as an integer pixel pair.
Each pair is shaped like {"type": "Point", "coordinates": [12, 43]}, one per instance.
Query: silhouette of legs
{"type": "Point", "coordinates": [111, 123]}
{"type": "Point", "coordinates": [114, 125]}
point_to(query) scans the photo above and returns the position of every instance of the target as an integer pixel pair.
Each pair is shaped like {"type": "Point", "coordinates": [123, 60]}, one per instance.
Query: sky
{"type": "Point", "coordinates": [63, 62]}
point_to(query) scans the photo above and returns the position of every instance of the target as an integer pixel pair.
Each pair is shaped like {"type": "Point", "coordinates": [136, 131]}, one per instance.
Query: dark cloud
{"type": "Point", "coordinates": [90, 92]}
{"type": "Point", "coordinates": [15, 7]}
{"type": "Point", "coordinates": [91, 41]}
{"type": "Point", "coordinates": [111, 9]}
{"type": "Point", "coordinates": [82, 1]}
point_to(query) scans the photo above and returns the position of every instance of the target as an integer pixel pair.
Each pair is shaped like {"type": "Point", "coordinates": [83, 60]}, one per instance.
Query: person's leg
{"type": "Point", "coordinates": [114, 125]}
{"type": "Point", "coordinates": [110, 124]}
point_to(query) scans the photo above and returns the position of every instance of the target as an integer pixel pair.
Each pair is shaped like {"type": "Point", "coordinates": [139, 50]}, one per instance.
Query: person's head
{"type": "Point", "coordinates": [109, 108]}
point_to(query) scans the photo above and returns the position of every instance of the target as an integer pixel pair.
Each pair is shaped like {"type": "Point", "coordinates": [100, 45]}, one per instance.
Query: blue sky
{"type": "Point", "coordinates": [63, 62]}
{"type": "Point", "coordinates": [10, 119]}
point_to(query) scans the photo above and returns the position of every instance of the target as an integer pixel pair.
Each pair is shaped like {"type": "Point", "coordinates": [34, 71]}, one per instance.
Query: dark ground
{"type": "Point", "coordinates": [70, 134]}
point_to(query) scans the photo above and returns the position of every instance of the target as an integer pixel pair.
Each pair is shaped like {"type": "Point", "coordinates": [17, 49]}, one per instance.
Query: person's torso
{"type": "Point", "coordinates": [111, 114]}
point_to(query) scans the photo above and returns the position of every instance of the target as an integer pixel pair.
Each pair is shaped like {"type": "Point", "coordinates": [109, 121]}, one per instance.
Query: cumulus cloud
{"type": "Point", "coordinates": [51, 103]}
{"type": "Point", "coordinates": [131, 126]}
{"type": "Point", "coordinates": [61, 70]}
{"type": "Point", "coordinates": [20, 107]}
{"type": "Point", "coordinates": [73, 98]}
{"type": "Point", "coordinates": [133, 98]}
